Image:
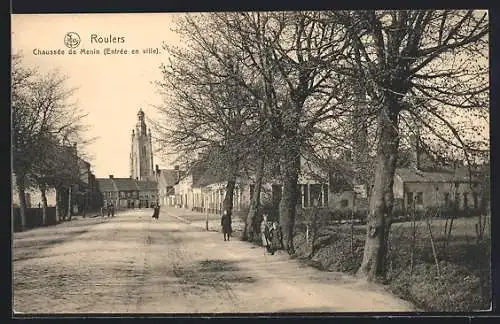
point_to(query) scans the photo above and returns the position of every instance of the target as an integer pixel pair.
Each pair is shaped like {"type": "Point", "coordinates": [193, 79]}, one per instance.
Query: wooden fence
{"type": "Point", "coordinates": [34, 218]}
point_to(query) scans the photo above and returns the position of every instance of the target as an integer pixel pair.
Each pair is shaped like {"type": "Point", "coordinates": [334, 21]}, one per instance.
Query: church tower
{"type": "Point", "coordinates": [141, 152]}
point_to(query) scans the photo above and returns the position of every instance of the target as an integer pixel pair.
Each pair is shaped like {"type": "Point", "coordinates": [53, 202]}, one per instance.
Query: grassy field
{"type": "Point", "coordinates": [464, 280]}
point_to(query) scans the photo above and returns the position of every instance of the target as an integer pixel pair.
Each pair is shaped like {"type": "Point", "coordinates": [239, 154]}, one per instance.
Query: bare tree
{"type": "Point", "coordinates": [292, 54]}
{"type": "Point", "coordinates": [422, 58]}
{"type": "Point", "coordinates": [42, 116]}
{"type": "Point", "coordinates": [24, 123]}
{"type": "Point", "coordinates": [206, 109]}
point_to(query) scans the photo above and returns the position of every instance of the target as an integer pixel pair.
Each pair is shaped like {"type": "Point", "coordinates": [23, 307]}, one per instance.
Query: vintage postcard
{"type": "Point", "coordinates": [251, 162]}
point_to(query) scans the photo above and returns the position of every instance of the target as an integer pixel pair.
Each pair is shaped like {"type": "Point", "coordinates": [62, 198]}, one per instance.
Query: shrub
{"type": "Point", "coordinates": [456, 290]}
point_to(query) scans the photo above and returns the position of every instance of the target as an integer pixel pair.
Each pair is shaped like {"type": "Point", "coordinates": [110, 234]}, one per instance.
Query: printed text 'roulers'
{"type": "Point", "coordinates": [95, 38]}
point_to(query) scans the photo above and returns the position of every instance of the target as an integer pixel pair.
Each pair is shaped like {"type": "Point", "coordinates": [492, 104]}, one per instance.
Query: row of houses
{"type": "Point", "coordinates": [128, 192]}
{"type": "Point", "coordinates": [200, 190]}
{"type": "Point", "coordinates": [90, 194]}
{"type": "Point", "coordinates": [82, 187]}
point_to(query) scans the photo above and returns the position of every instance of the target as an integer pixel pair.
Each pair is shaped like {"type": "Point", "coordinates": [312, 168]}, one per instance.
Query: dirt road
{"type": "Point", "coordinates": [134, 264]}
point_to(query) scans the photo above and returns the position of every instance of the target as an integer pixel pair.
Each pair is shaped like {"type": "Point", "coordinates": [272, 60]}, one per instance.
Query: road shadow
{"type": "Point", "coordinates": [213, 273]}
{"type": "Point", "coordinates": [33, 248]}
{"type": "Point", "coordinates": [30, 247]}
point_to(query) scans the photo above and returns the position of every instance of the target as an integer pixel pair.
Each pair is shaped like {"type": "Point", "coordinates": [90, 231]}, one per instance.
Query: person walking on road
{"type": "Point", "coordinates": [156, 211]}
{"type": "Point", "coordinates": [225, 222]}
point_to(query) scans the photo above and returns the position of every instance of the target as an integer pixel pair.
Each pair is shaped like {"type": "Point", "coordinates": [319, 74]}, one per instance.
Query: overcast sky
{"type": "Point", "coordinates": [111, 88]}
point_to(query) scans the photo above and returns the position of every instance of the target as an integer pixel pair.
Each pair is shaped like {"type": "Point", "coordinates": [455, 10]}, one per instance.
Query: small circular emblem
{"type": "Point", "coordinates": [72, 40]}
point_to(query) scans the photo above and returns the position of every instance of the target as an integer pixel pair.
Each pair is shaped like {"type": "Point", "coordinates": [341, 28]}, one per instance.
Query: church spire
{"type": "Point", "coordinates": [141, 124]}
{"type": "Point", "coordinates": [141, 155]}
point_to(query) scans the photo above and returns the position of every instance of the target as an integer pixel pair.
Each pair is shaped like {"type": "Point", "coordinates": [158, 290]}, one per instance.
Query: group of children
{"type": "Point", "coordinates": [272, 238]}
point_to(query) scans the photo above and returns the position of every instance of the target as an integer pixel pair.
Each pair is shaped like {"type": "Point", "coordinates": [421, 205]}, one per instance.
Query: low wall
{"type": "Point", "coordinates": [34, 217]}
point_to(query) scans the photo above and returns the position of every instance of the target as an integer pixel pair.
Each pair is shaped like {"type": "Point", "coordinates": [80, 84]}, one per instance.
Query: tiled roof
{"type": "Point", "coordinates": [105, 184]}
{"type": "Point", "coordinates": [168, 177]}
{"type": "Point", "coordinates": [146, 185]}
{"type": "Point", "coordinates": [208, 178]}
{"type": "Point", "coordinates": [198, 171]}
{"type": "Point", "coordinates": [410, 175]}
{"type": "Point", "coordinates": [125, 184]}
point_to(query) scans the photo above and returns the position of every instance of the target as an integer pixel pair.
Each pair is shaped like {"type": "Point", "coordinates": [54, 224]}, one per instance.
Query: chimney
{"type": "Point", "coordinates": [176, 168]}
{"type": "Point", "coordinates": [157, 169]}
{"type": "Point", "coordinates": [111, 176]}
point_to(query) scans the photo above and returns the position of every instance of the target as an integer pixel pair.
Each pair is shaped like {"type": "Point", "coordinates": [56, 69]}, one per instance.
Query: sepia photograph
{"type": "Point", "coordinates": [251, 162]}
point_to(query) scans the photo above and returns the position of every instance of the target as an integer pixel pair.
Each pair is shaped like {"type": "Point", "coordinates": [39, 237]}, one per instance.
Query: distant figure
{"type": "Point", "coordinates": [156, 211]}
{"type": "Point", "coordinates": [102, 211]}
{"type": "Point", "coordinates": [225, 222]}
{"type": "Point", "coordinates": [276, 237]}
{"type": "Point", "coordinates": [111, 210]}
{"type": "Point", "coordinates": [265, 233]}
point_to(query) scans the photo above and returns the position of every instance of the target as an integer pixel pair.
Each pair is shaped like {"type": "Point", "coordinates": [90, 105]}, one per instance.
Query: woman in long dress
{"type": "Point", "coordinates": [226, 225]}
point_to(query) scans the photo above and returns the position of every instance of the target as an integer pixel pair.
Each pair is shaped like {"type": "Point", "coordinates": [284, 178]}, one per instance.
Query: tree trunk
{"type": "Point", "coordinates": [373, 266]}
{"type": "Point", "coordinates": [43, 192]}
{"type": "Point", "coordinates": [288, 204]}
{"type": "Point", "coordinates": [70, 203]}
{"type": "Point", "coordinates": [59, 211]}
{"type": "Point", "coordinates": [227, 204]}
{"type": "Point", "coordinates": [250, 225]}
{"type": "Point", "coordinates": [21, 191]}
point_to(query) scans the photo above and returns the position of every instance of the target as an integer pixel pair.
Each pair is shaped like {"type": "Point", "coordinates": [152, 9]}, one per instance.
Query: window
{"type": "Point", "coordinates": [325, 194]}
{"type": "Point", "coordinates": [316, 198]}
{"type": "Point", "coordinates": [299, 195]}
{"type": "Point", "coordinates": [409, 198]}
{"type": "Point", "coordinates": [306, 195]}
{"type": "Point", "coordinates": [446, 198]}
{"type": "Point", "coordinates": [122, 194]}
{"type": "Point", "coordinates": [476, 201]}
{"type": "Point", "coordinates": [466, 199]}
{"type": "Point", "coordinates": [344, 203]}
{"type": "Point", "coordinates": [419, 198]}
